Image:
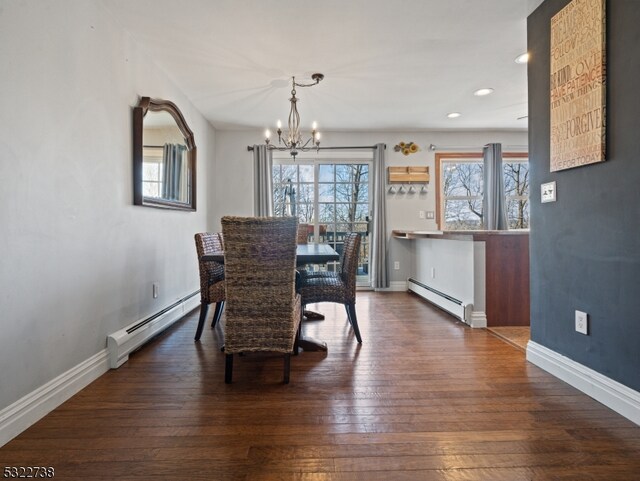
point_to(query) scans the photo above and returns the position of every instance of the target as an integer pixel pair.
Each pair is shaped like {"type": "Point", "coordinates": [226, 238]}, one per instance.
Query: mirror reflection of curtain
{"type": "Point", "coordinates": [175, 173]}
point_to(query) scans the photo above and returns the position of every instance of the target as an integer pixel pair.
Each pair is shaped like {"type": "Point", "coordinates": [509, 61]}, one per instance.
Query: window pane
{"type": "Point", "coordinates": [304, 193]}
{"type": "Point", "coordinates": [362, 211]}
{"type": "Point", "coordinates": [518, 214]}
{"type": "Point", "coordinates": [326, 173]}
{"type": "Point", "coordinates": [305, 213]}
{"type": "Point", "coordinates": [463, 214]}
{"type": "Point", "coordinates": [343, 173]}
{"type": "Point", "coordinates": [150, 189]}
{"type": "Point", "coordinates": [306, 173]}
{"type": "Point", "coordinates": [289, 172]}
{"type": "Point", "coordinates": [326, 192]}
{"type": "Point", "coordinates": [516, 184]}
{"type": "Point", "coordinates": [516, 178]}
{"type": "Point", "coordinates": [275, 172]}
{"type": "Point", "coordinates": [462, 179]}
{"type": "Point", "coordinates": [150, 171]}
{"type": "Point", "coordinates": [327, 213]}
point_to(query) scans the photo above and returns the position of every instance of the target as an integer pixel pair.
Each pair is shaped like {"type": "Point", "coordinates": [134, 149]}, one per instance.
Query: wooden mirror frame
{"type": "Point", "coordinates": [144, 105]}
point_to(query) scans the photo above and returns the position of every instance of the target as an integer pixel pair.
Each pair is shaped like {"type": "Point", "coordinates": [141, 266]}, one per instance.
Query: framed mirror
{"type": "Point", "coordinates": [164, 156]}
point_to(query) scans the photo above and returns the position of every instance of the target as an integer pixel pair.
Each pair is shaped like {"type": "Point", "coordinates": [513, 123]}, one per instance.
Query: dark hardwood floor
{"type": "Point", "coordinates": [423, 398]}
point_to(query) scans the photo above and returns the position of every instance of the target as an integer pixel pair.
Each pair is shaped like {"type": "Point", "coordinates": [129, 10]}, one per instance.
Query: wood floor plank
{"type": "Point", "coordinates": [423, 398]}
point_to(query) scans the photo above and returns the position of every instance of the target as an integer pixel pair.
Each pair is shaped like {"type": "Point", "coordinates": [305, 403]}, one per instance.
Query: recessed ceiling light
{"type": "Point", "coordinates": [524, 58]}
{"type": "Point", "coordinates": [482, 92]}
{"type": "Point", "coordinates": [454, 115]}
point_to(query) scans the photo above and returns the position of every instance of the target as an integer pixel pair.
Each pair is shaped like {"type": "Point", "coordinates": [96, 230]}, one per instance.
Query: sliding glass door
{"type": "Point", "coordinates": [332, 197]}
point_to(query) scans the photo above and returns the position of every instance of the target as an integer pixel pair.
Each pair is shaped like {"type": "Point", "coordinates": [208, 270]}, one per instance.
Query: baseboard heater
{"type": "Point", "coordinates": [444, 301]}
{"type": "Point", "coordinates": [123, 342]}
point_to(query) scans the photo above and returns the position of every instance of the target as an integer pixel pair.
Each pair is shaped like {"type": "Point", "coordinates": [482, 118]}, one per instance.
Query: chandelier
{"type": "Point", "coordinates": [292, 139]}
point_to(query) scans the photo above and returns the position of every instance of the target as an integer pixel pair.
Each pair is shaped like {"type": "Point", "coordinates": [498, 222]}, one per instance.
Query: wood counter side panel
{"type": "Point", "coordinates": [507, 280]}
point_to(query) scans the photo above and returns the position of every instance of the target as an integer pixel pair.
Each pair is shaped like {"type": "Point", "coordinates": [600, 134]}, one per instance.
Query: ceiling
{"type": "Point", "coordinates": [388, 65]}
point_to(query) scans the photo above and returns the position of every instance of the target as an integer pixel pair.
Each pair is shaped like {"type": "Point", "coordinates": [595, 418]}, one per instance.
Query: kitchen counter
{"type": "Point", "coordinates": [486, 272]}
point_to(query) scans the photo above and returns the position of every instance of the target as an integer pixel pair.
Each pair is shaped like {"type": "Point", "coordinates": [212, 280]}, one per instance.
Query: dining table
{"type": "Point", "coordinates": [312, 253]}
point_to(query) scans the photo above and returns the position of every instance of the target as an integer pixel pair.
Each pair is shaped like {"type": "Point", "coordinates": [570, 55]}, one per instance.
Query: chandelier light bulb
{"type": "Point", "coordinates": [317, 136]}
{"type": "Point", "coordinates": [267, 134]}
{"type": "Point", "coordinates": [279, 124]}
{"type": "Point", "coordinates": [314, 125]}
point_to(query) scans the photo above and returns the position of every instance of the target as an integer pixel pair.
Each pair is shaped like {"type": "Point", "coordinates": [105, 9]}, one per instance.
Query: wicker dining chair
{"type": "Point", "coordinates": [339, 286]}
{"type": "Point", "coordinates": [212, 286]}
{"type": "Point", "coordinates": [263, 308]}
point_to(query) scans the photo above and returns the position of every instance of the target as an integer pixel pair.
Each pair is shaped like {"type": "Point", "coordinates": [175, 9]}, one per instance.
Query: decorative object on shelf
{"type": "Point", "coordinates": [406, 148]}
{"type": "Point", "coordinates": [292, 140]}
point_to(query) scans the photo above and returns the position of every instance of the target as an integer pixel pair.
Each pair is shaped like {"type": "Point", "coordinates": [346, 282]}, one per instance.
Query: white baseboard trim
{"type": "Point", "coordinates": [612, 394]}
{"type": "Point", "coordinates": [123, 342]}
{"type": "Point", "coordinates": [26, 411]}
{"type": "Point", "coordinates": [398, 286]}
{"type": "Point", "coordinates": [478, 319]}
{"type": "Point", "coordinates": [394, 286]}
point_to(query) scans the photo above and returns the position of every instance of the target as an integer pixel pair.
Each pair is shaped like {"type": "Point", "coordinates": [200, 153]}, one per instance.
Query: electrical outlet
{"type": "Point", "coordinates": [156, 288]}
{"type": "Point", "coordinates": [582, 323]}
{"type": "Point", "coordinates": [431, 214]}
{"type": "Point", "coordinates": [422, 214]}
{"type": "Point", "coordinates": [396, 265]}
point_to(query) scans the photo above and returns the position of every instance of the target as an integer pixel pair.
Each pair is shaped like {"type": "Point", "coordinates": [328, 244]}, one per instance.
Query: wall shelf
{"type": "Point", "coordinates": [408, 175]}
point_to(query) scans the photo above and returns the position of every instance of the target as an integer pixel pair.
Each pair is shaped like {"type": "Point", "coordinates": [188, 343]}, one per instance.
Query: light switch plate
{"type": "Point", "coordinates": [548, 192]}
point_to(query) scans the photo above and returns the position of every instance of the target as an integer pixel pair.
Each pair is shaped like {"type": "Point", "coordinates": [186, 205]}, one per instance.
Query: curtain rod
{"type": "Point", "coordinates": [351, 147]}
{"type": "Point", "coordinates": [434, 147]}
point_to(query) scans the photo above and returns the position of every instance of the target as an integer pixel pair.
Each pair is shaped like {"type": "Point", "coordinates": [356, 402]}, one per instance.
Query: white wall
{"type": "Point", "coordinates": [77, 258]}
{"type": "Point", "coordinates": [234, 175]}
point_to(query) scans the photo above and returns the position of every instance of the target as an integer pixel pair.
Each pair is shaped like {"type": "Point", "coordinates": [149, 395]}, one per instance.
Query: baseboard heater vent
{"type": "Point", "coordinates": [123, 342]}
{"type": "Point", "coordinates": [444, 301]}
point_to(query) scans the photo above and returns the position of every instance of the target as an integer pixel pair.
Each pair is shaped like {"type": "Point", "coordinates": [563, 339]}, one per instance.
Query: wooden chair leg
{"type": "Point", "coordinates": [228, 368]}
{"type": "Point", "coordinates": [287, 367]}
{"type": "Point", "coordinates": [204, 310]}
{"type": "Point", "coordinates": [217, 314]}
{"type": "Point", "coordinates": [351, 309]}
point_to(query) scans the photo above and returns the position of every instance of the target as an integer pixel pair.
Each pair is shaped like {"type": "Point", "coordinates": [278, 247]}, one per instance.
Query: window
{"type": "Point", "coordinates": [152, 164]}
{"type": "Point", "coordinates": [332, 196]}
{"type": "Point", "coordinates": [460, 190]}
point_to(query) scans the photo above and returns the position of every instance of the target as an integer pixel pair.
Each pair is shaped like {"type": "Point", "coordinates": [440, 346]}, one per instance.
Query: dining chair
{"type": "Point", "coordinates": [212, 286]}
{"type": "Point", "coordinates": [263, 307]}
{"type": "Point", "coordinates": [338, 286]}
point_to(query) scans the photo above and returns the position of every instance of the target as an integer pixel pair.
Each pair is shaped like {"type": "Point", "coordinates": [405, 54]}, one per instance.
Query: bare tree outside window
{"type": "Point", "coordinates": [516, 189]}
{"type": "Point", "coordinates": [463, 191]}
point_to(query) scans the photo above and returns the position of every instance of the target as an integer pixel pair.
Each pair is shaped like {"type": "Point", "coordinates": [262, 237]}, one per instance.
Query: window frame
{"type": "Point", "coordinates": [443, 157]}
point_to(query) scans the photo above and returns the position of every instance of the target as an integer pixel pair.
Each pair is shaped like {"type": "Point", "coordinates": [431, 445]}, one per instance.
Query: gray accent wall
{"type": "Point", "coordinates": [585, 248]}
